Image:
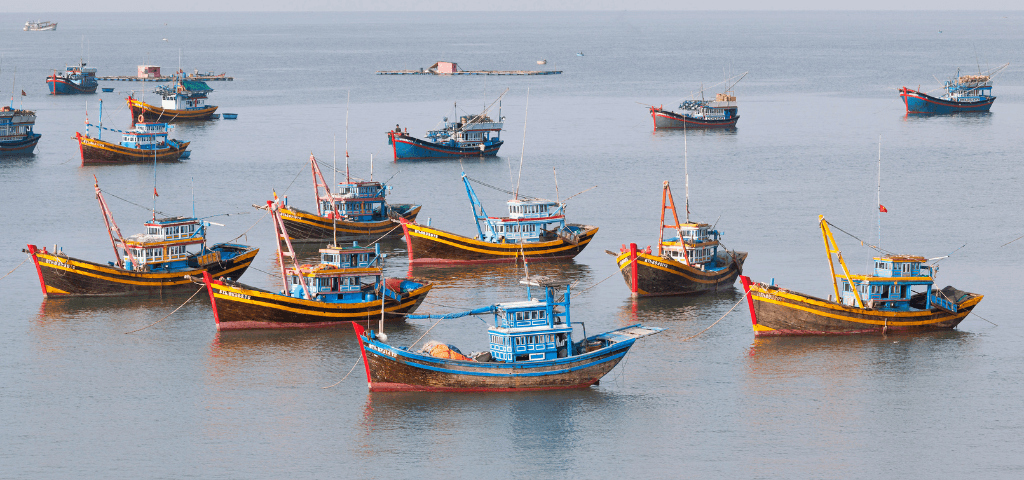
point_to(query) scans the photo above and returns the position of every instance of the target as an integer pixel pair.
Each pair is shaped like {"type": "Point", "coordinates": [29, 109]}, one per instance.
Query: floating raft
{"type": "Point", "coordinates": [452, 68]}
{"type": "Point", "coordinates": [126, 78]}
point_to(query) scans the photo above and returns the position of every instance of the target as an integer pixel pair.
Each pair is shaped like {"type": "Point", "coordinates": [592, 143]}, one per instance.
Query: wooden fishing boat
{"type": "Point", "coordinates": [531, 348]}
{"type": "Point", "coordinates": [535, 229]}
{"type": "Point", "coordinates": [39, 26]}
{"type": "Point", "coordinates": [883, 302]}
{"type": "Point", "coordinates": [145, 142]}
{"type": "Point", "coordinates": [689, 263]}
{"type": "Point", "coordinates": [348, 284]}
{"type": "Point", "coordinates": [184, 100]}
{"type": "Point", "coordinates": [73, 80]}
{"type": "Point", "coordinates": [357, 210]}
{"type": "Point", "coordinates": [723, 112]}
{"type": "Point", "coordinates": [963, 93]}
{"type": "Point", "coordinates": [469, 136]}
{"type": "Point", "coordinates": [16, 135]}
{"type": "Point", "coordinates": [151, 263]}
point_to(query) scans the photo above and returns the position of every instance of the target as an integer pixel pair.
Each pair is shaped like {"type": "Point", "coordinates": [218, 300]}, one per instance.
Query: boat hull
{"type": "Point", "coordinates": [24, 146]}
{"type": "Point", "coordinates": [664, 119]}
{"type": "Point", "coordinates": [96, 152]}
{"type": "Point", "coordinates": [151, 113]}
{"type": "Point", "coordinates": [428, 245]}
{"type": "Point", "coordinates": [61, 86]}
{"type": "Point", "coordinates": [406, 147]}
{"type": "Point", "coordinates": [240, 307]}
{"type": "Point", "coordinates": [390, 369]}
{"type": "Point", "coordinates": [659, 276]}
{"type": "Point", "coordinates": [61, 276]}
{"type": "Point", "coordinates": [778, 312]}
{"type": "Point", "coordinates": [303, 226]}
{"type": "Point", "coordinates": [922, 103]}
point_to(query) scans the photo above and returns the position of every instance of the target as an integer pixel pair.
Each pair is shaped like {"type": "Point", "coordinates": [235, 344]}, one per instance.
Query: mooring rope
{"type": "Point", "coordinates": [172, 313]}
{"type": "Point", "coordinates": [617, 272]}
{"type": "Point", "coordinates": [347, 374]}
{"type": "Point", "coordinates": [15, 268]}
{"type": "Point", "coordinates": [744, 297]}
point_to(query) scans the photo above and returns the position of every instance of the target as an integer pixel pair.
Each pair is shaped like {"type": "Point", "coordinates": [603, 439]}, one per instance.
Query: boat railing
{"type": "Point", "coordinates": [939, 300]}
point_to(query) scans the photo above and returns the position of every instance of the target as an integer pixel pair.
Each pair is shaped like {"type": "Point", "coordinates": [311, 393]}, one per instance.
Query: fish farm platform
{"type": "Point", "coordinates": [470, 72]}
{"type": "Point", "coordinates": [202, 78]}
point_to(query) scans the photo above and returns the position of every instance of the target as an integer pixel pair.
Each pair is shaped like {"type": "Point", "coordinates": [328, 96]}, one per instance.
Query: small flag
{"type": "Point", "coordinates": [23, 93]}
{"type": "Point", "coordinates": [154, 192]}
{"type": "Point", "coordinates": [881, 208]}
{"type": "Point", "coordinates": [275, 195]}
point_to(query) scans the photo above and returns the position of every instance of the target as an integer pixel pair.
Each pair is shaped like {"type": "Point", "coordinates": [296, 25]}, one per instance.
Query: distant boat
{"type": "Point", "coordinates": [16, 135]}
{"type": "Point", "coordinates": [699, 113]}
{"type": "Point", "coordinates": [470, 136]}
{"type": "Point", "coordinates": [542, 62]}
{"type": "Point", "coordinates": [963, 93]}
{"type": "Point", "coordinates": [38, 26]}
{"type": "Point", "coordinates": [579, 54]}
{"type": "Point", "coordinates": [534, 228]}
{"type": "Point", "coordinates": [152, 263]}
{"type": "Point", "coordinates": [863, 304]}
{"type": "Point", "coordinates": [531, 348]}
{"type": "Point", "coordinates": [108, 89]}
{"type": "Point", "coordinates": [183, 100]}
{"type": "Point", "coordinates": [229, 116]}
{"type": "Point", "coordinates": [74, 79]}
{"type": "Point", "coordinates": [691, 262]}
{"type": "Point", "coordinates": [146, 142]}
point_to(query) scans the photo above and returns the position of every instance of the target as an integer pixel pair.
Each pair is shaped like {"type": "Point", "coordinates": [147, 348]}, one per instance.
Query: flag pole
{"type": "Point", "coordinates": [879, 192]}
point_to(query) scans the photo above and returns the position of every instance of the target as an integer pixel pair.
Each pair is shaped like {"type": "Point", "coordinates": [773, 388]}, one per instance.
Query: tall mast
{"type": "Point", "coordinates": [348, 97]}
{"type": "Point", "coordinates": [879, 198]}
{"type": "Point", "coordinates": [334, 221]}
{"type": "Point", "coordinates": [686, 175]}
{"type": "Point", "coordinates": [523, 153]}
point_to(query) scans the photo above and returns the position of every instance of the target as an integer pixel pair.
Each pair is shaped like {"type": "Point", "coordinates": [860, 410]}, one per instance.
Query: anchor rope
{"type": "Point", "coordinates": [15, 268]}
{"type": "Point", "coordinates": [358, 359]}
{"type": "Point", "coordinates": [172, 313]}
{"type": "Point", "coordinates": [425, 333]}
{"type": "Point", "coordinates": [691, 337]}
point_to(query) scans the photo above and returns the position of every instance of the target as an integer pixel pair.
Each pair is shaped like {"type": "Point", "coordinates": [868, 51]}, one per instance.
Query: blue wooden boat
{"type": "Point", "coordinates": [963, 93]}
{"type": "Point", "coordinates": [145, 142]}
{"type": "Point", "coordinates": [108, 89]}
{"type": "Point", "coordinates": [535, 229]}
{"type": "Point", "coordinates": [16, 135]}
{"type": "Point", "coordinates": [229, 116]}
{"type": "Point", "coordinates": [348, 284]}
{"type": "Point", "coordinates": [722, 112]}
{"type": "Point", "coordinates": [469, 136]}
{"type": "Point", "coordinates": [74, 79]}
{"type": "Point", "coordinates": [531, 348]}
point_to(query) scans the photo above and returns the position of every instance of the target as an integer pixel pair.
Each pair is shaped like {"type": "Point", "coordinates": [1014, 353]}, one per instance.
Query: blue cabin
{"type": "Point", "coordinates": [184, 95]}
{"type": "Point", "coordinates": [890, 287]}
{"type": "Point", "coordinates": [344, 275]}
{"type": "Point", "coordinates": [698, 247]}
{"type": "Point", "coordinates": [529, 220]}
{"type": "Point", "coordinates": [470, 131]}
{"type": "Point", "coordinates": [172, 244]}
{"type": "Point", "coordinates": [532, 329]}
{"type": "Point", "coordinates": [968, 88]}
{"type": "Point", "coordinates": [355, 202]}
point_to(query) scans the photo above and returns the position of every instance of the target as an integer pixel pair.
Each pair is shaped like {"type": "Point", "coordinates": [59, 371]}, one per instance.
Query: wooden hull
{"type": "Point", "coordinates": [922, 103]}
{"type": "Point", "coordinates": [303, 226]}
{"type": "Point", "coordinates": [391, 369]}
{"type": "Point", "coordinates": [406, 147]}
{"type": "Point", "coordinates": [24, 146]}
{"type": "Point", "coordinates": [98, 152]}
{"type": "Point", "coordinates": [240, 307]}
{"type": "Point", "coordinates": [63, 86]}
{"type": "Point", "coordinates": [659, 276]}
{"type": "Point", "coordinates": [667, 119]}
{"type": "Point", "coordinates": [428, 245]}
{"type": "Point", "coordinates": [60, 275]}
{"type": "Point", "coordinates": [153, 113]}
{"type": "Point", "coordinates": [778, 312]}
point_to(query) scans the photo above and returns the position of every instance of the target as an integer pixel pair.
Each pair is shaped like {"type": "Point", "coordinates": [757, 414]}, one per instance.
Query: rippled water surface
{"type": "Point", "coordinates": [81, 399]}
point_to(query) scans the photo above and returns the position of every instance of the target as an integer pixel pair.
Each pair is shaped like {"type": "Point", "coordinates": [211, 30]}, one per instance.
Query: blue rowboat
{"type": "Point", "coordinates": [531, 348]}
{"type": "Point", "coordinates": [230, 116]}
{"type": "Point", "coordinates": [108, 89]}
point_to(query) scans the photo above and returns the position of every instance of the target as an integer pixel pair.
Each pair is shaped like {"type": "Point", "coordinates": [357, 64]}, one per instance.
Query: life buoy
{"type": "Point", "coordinates": [141, 118]}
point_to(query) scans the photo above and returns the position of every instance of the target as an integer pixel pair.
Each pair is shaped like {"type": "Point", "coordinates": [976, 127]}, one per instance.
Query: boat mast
{"type": "Point", "coordinates": [526, 117]}
{"type": "Point", "coordinates": [686, 176]}
{"type": "Point", "coordinates": [830, 248]}
{"type": "Point", "coordinates": [348, 98]}
{"type": "Point", "coordinates": [281, 232]}
{"type": "Point", "coordinates": [879, 197]}
{"type": "Point", "coordinates": [334, 181]}
{"type": "Point", "coordinates": [108, 219]}
{"type": "Point", "coordinates": [668, 202]}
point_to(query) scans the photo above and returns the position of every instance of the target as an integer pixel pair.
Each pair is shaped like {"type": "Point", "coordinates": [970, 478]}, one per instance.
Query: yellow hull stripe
{"type": "Point", "coordinates": [891, 321]}
{"type": "Point", "coordinates": [164, 277]}
{"type": "Point", "coordinates": [256, 295]}
{"type": "Point", "coordinates": [513, 248]}
{"type": "Point", "coordinates": [294, 216]}
{"type": "Point", "coordinates": [674, 272]}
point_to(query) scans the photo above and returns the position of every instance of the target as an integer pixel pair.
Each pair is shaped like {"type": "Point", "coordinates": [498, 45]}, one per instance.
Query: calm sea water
{"type": "Point", "coordinates": [80, 398]}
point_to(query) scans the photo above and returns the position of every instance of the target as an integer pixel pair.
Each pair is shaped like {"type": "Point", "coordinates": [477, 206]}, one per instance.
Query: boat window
{"type": "Point", "coordinates": [519, 340]}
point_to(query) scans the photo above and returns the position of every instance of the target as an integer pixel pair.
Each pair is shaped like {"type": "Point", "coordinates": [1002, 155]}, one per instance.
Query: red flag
{"type": "Point", "coordinates": [881, 208]}
{"type": "Point", "coordinates": [23, 93]}
{"type": "Point", "coordinates": [154, 192]}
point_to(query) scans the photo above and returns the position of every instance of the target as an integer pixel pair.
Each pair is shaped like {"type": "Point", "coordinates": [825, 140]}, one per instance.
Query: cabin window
{"type": "Point", "coordinates": [153, 230]}
{"type": "Point", "coordinates": [519, 340]}
{"type": "Point", "coordinates": [874, 289]}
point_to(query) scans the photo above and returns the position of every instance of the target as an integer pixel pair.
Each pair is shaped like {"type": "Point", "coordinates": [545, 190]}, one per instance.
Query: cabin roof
{"type": "Point", "coordinates": [532, 303]}
{"type": "Point", "coordinates": [196, 86]}
{"type": "Point", "coordinates": [694, 225]}
{"type": "Point", "coordinates": [902, 258]}
{"type": "Point", "coordinates": [171, 220]}
{"type": "Point", "coordinates": [340, 250]}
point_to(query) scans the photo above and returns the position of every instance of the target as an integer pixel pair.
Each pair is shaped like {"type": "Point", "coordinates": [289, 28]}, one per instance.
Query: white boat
{"type": "Point", "coordinates": [38, 26]}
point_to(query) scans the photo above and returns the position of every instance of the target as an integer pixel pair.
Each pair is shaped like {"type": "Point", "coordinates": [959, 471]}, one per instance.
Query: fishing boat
{"type": "Point", "coordinates": [356, 209]}
{"type": "Point", "coordinates": [74, 79]}
{"type": "Point", "coordinates": [152, 263]}
{"type": "Point", "coordinates": [531, 348]}
{"type": "Point", "coordinates": [145, 142]}
{"type": "Point", "coordinates": [700, 112]}
{"type": "Point", "coordinates": [348, 284]}
{"type": "Point", "coordinates": [39, 26]}
{"type": "Point", "coordinates": [879, 303]}
{"type": "Point", "coordinates": [689, 263]}
{"type": "Point", "coordinates": [183, 100]}
{"type": "Point", "coordinates": [16, 135]}
{"type": "Point", "coordinates": [535, 229]}
{"type": "Point", "coordinates": [469, 136]}
{"type": "Point", "coordinates": [963, 93]}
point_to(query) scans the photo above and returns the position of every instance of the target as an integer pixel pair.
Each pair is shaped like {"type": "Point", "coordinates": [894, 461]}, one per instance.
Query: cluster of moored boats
{"type": "Point", "coordinates": [532, 343]}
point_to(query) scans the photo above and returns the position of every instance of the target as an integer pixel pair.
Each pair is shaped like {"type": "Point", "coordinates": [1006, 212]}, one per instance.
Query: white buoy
{"type": "Point", "coordinates": [382, 336]}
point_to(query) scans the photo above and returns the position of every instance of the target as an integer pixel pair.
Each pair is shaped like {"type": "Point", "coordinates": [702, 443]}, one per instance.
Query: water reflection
{"type": "Point", "coordinates": [665, 311]}
{"type": "Point", "coordinates": [55, 310]}
{"type": "Point", "coordinates": [963, 118]}
{"type": "Point", "coordinates": [695, 132]}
